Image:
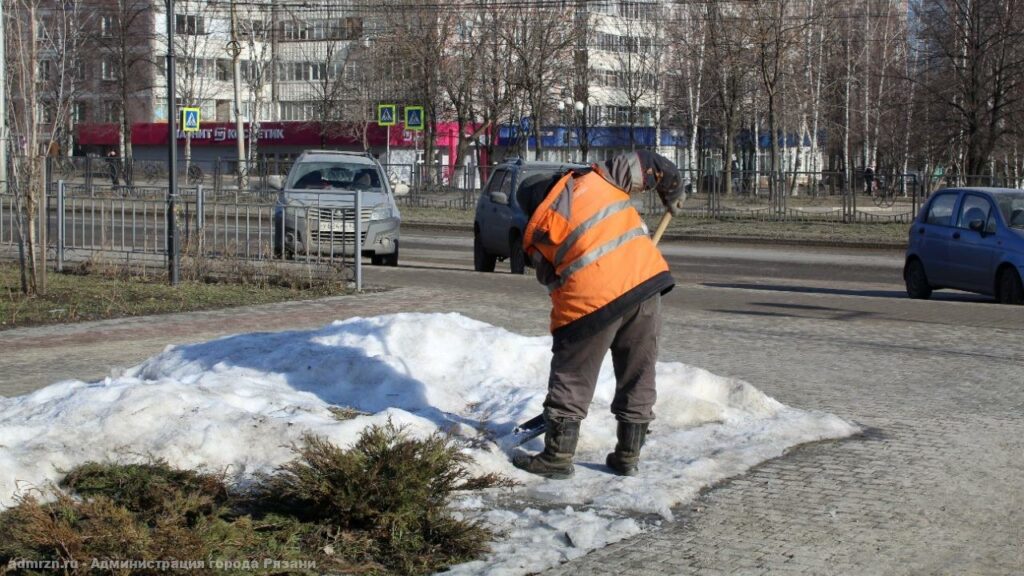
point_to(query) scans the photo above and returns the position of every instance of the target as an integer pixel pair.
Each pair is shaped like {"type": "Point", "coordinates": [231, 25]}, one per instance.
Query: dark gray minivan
{"type": "Point", "coordinates": [499, 223]}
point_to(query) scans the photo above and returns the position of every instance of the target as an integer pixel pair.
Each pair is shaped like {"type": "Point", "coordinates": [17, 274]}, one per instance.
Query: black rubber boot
{"type": "Point", "coordinates": [555, 461]}
{"type": "Point", "coordinates": [626, 458]}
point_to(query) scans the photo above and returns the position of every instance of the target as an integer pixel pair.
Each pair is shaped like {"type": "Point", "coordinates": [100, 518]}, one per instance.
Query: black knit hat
{"type": "Point", "coordinates": [665, 177]}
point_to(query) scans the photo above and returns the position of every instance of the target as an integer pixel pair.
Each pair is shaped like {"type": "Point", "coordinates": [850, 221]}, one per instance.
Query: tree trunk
{"type": "Point", "coordinates": [884, 62]}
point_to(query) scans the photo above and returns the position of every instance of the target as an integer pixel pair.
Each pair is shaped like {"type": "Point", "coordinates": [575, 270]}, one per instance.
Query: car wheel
{"type": "Point", "coordinates": [517, 258]}
{"type": "Point", "coordinates": [386, 259]}
{"type": "Point", "coordinates": [392, 259]}
{"type": "Point", "coordinates": [482, 261]}
{"type": "Point", "coordinates": [917, 281]}
{"type": "Point", "coordinates": [1010, 289]}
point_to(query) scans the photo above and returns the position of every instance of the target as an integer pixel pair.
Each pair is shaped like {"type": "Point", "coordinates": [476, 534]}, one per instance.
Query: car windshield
{"type": "Point", "coordinates": [334, 176]}
{"type": "Point", "coordinates": [1012, 207]}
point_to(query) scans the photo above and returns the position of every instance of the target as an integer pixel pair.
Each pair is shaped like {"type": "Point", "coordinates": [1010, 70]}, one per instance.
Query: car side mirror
{"type": "Point", "coordinates": [977, 225]}
{"type": "Point", "coordinates": [275, 181]}
{"type": "Point", "coordinates": [499, 198]}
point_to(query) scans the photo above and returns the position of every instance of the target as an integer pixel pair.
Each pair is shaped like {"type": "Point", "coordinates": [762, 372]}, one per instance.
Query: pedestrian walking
{"type": "Point", "coordinates": [605, 277]}
{"type": "Point", "coordinates": [869, 180]}
{"type": "Point", "coordinates": [113, 165]}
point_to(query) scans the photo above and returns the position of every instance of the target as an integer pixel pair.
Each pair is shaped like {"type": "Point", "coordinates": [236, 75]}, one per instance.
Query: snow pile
{"type": "Point", "coordinates": [237, 403]}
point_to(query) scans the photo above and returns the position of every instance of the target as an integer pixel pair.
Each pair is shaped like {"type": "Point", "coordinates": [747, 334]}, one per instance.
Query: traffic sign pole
{"type": "Point", "coordinates": [386, 119]}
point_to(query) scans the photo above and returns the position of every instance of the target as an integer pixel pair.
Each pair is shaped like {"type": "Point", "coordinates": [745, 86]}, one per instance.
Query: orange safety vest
{"type": "Point", "coordinates": [603, 258]}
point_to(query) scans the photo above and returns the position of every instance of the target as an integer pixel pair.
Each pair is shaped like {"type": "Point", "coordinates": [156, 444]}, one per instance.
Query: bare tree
{"type": "Point", "coordinates": [494, 92]}
{"type": "Point", "coordinates": [40, 53]}
{"type": "Point", "coordinates": [125, 36]}
{"type": "Point", "coordinates": [323, 68]}
{"type": "Point", "coordinates": [729, 72]}
{"type": "Point", "coordinates": [412, 45]}
{"type": "Point", "coordinates": [196, 73]}
{"type": "Point", "coordinates": [773, 34]}
{"type": "Point", "coordinates": [637, 63]}
{"type": "Point", "coordinates": [257, 72]}
{"type": "Point", "coordinates": [459, 70]}
{"type": "Point", "coordinates": [973, 59]}
{"type": "Point", "coordinates": [541, 44]}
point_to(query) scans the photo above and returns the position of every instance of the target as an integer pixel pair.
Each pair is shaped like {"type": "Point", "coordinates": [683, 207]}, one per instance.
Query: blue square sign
{"type": "Point", "coordinates": [190, 119]}
{"type": "Point", "coordinates": [386, 115]}
{"type": "Point", "coordinates": [414, 117]}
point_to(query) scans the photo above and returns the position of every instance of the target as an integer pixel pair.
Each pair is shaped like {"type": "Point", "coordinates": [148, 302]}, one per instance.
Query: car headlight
{"type": "Point", "coordinates": [381, 212]}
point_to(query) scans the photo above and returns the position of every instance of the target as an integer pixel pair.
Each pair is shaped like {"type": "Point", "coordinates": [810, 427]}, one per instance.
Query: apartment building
{"type": "Point", "coordinates": [300, 65]}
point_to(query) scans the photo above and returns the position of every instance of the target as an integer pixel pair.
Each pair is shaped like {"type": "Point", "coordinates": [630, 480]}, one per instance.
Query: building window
{"type": "Point", "coordinates": [79, 112]}
{"type": "Point", "coordinates": [108, 68]}
{"type": "Point", "coordinates": [327, 29]}
{"type": "Point", "coordinates": [637, 10]}
{"type": "Point", "coordinates": [189, 25]}
{"type": "Point", "coordinates": [107, 25]}
{"type": "Point", "coordinates": [109, 112]}
{"type": "Point", "coordinates": [297, 111]}
{"type": "Point", "coordinates": [46, 112]}
{"type": "Point", "coordinates": [256, 29]}
{"type": "Point", "coordinates": [294, 31]}
{"type": "Point", "coordinates": [224, 70]}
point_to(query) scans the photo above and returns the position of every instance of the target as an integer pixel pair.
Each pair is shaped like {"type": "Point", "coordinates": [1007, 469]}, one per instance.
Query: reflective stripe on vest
{"type": "Point", "coordinates": [584, 226]}
{"type": "Point", "coordinates": [596, 253]}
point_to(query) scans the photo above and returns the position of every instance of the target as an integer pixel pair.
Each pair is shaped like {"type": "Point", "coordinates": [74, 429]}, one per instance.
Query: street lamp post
{"type": "Point", "coordinates": [234, 48]}
{"type": "Point", "coordinates": [173, 258]}
{"type": "Point", "coordinates": [579, 123]}
{"type": "Point", "coordinates": [582, 136]}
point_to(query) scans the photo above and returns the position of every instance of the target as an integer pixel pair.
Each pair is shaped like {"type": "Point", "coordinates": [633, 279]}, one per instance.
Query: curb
{"type": "Point", "coordinates": [762, 240]}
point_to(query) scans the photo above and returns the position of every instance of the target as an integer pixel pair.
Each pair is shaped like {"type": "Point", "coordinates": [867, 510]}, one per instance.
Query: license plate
{"type": "Point", "coordinates": [337, 226]}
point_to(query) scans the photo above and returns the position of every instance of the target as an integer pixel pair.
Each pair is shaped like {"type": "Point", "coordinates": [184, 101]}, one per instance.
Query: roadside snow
{"type": "Point", "coordinates": [238, 402]}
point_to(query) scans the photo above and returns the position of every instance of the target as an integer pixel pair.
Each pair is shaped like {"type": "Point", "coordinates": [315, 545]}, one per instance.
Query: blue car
{"type": "Point", "coordinates": [968, 239]}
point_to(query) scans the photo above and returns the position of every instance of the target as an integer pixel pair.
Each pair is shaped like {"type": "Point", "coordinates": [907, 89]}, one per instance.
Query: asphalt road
{"type": "Point", "coordinates": [784, 282]}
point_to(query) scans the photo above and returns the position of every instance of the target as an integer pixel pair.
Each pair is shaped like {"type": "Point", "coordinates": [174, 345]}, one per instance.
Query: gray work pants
{"type": "Point", "coordinates": [633, 340]}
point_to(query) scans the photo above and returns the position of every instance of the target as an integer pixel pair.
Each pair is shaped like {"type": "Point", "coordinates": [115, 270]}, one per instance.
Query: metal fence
{"type": "Point", "coordinates": [714, 194]}
{"type": "Point", "coordinates": [797, 196]}
{"type": "Point", "coordinates": [416, 184]}
{"type": "Point", "coordinates": [125, 223]}
{"type": "Point", "coordinates": [455, 188]}
{"type": "Point", "coordinates": [219, 176]}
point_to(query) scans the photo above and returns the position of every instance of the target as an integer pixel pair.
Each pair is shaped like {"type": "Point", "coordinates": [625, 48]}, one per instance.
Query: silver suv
{"type": "Point", "coordinates": [499, 223]}
{"type": "Point", "coordinates": [315, 210]}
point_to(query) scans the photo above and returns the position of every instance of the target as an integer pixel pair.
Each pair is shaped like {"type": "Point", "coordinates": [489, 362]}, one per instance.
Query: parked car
{"type": "Point", "coordinates": [499, 223]}
{"type": "Point", "coordinates": [969, 239]}
{"type": "Point", "coordinates": [315, 212]}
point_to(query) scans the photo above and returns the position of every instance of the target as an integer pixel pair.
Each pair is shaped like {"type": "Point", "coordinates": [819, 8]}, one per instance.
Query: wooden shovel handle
{"type": "Point", "coordinates": [662, 225]}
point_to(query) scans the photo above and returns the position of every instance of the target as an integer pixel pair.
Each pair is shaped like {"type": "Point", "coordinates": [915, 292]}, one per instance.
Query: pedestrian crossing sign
{"type": "Point", "coordinates": [386, 115]}
{"type": "Point", "coordinates": [190, 119]}
{"type": "Point", "coordinates": [414, 117]}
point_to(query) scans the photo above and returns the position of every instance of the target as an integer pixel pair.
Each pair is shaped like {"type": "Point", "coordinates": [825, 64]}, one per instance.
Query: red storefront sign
{"type": "Point", "coordinates": [305, 134]}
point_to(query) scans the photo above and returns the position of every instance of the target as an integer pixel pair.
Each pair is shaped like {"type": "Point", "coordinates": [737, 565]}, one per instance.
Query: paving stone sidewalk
{"type": "Point", "coordinates": [935, 485]}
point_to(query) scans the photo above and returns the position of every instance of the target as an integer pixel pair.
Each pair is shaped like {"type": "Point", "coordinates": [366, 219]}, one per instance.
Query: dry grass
{"type": "Point", "coordinates": [96, 289]}
{"type": "Point", "coordinates": [377, 508]}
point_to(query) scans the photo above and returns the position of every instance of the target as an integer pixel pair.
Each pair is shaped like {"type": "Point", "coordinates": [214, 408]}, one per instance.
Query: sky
{"type": "Point", "coordinates": [239, 402]}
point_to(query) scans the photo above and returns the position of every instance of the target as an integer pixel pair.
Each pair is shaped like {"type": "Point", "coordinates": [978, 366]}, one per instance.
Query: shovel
{"type": "Point", "coordinates": [535, 426]}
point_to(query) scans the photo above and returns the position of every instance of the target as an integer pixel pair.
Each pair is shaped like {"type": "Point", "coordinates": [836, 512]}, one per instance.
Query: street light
{"type": "Point", "coordinates": [579, 123]}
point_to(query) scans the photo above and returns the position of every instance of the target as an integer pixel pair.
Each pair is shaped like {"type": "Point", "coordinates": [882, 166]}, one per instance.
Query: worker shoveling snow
{"type": "Point", "coordinates": [237, 403]}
